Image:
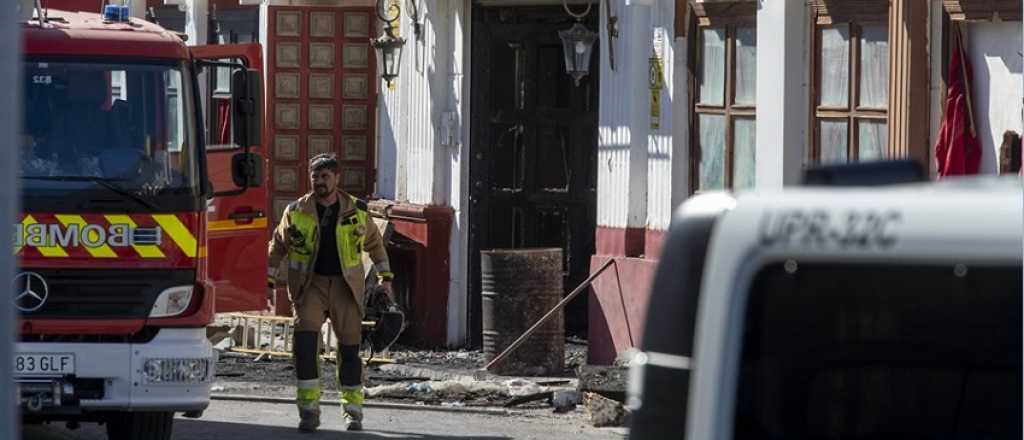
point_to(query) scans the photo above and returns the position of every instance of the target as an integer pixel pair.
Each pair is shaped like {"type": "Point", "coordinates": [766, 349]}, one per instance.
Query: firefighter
{"type": "Point", "coordinates": [323, 234]}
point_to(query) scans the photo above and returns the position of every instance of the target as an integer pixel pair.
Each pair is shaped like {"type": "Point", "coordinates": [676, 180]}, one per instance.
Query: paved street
{"type": "Point", "coordinates": [226, 420]}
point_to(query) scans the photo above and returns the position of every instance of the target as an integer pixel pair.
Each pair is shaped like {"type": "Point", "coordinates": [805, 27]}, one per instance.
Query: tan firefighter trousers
{"type": "Point", "coordinates": [329, 297]}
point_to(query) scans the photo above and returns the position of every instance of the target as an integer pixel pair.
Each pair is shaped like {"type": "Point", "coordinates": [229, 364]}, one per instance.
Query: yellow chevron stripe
{"type": "Point", "coordinates": [144, 251]}
{"type": "Point", "coordinates": [230, 225]}
{"type": "Point", "coordinates": [178, 232]}
{"type": "Point", "coordinates": [47, 251]}
{"type": "Point", "coordinates": [101, 251]}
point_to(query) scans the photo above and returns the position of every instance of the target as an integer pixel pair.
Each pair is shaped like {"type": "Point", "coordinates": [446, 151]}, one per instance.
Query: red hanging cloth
{"type": "Point", "coordinates": [957, 151]}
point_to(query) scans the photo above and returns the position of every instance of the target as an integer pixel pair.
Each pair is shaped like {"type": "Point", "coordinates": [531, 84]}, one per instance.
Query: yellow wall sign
{"type": "Point", "coordinates": [656, 83]}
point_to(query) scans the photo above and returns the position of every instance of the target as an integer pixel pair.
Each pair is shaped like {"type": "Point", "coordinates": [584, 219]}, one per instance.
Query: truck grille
{"type": "Point", "coordinates": [103, 294]}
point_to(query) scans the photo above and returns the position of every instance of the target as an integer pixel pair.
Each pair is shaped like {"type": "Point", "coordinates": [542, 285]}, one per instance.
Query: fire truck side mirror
{"type": "Point", "coordinates": [247, 170]}
{"type": "Point", "coordinates": [246, 119]}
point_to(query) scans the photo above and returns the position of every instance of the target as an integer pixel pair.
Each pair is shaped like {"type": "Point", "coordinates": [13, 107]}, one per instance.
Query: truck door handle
{"type": "Point", "coordinates": [246, 215]}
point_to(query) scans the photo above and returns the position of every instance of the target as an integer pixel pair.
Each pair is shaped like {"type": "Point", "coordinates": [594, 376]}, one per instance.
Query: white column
{"type": "Point", "coordinates": [458, 249]}
{"type": "Point", "coordinates": [10, 67]}
{"type": "Point", "coordinates": [639, 43]}
{"type": "Point", "coordinates": [782, 101]}
{"type": "Point", "coordinates": [196, 18]}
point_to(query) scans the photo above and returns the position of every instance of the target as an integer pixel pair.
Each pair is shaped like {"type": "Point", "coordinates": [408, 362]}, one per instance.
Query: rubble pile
{"type": "Point", "coordinates": [452, 378]}
{"type": "Point", "coordinates": [458, 360]}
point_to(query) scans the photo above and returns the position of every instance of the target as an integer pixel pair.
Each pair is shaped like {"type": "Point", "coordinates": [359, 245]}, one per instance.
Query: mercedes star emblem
{"type": "Point", "coordinates": [31, 291]}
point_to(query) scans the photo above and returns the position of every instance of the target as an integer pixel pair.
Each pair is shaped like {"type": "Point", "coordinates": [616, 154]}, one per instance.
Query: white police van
{"type": "Point", "coordinates": [837, 312]}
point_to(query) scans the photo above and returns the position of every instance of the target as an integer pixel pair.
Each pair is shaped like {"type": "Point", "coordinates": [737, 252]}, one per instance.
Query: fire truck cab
{"type": "Point", "coordinates": [826, 312]}
{"type": "Point", "coordinates": [131, 221]}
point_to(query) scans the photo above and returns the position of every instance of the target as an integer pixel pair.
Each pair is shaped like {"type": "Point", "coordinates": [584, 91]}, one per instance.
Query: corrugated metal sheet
{"type": "Point", "coordinates": [635, 162]}
{"type": "Point", "coordinates": [615, 126]}
{"type": "Point", "coordinates": [660, 146]}
{"type": "Point", "coordinates": [411, 114]}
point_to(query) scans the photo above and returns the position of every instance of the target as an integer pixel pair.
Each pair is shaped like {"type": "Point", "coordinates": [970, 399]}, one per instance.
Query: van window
{"type": "Point", "coordinates": [838, 351]}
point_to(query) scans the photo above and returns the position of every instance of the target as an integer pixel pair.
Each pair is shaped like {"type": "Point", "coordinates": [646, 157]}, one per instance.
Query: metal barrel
{"type": "Point", "coordinates": [519, 286]}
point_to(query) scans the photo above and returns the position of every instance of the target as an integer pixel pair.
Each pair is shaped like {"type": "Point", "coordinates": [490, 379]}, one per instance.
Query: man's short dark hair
{"type": "Point", "coordinates": [328, 161]}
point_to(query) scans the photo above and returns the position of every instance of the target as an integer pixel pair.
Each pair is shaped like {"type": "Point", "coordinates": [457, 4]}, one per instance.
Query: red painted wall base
{"type": "Point", "coordinates": [420, 260]}
{"type": "Point", "coordinates": [618, 297]}
{"type": "Point", "coordinates": [617, 306]}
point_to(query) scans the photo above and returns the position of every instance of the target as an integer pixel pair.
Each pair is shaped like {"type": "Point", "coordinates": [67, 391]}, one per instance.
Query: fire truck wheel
{"type": "Point", "coordinates": [140, 425]}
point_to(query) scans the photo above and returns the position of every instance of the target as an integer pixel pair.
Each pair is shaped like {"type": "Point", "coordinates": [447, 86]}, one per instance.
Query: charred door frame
{"type": "Point", "coordinates": [480, 134]}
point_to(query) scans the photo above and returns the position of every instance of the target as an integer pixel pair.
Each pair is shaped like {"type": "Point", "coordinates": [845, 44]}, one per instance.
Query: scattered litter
{"type": "Point", "coordinates": [522, 387]}
{"type": "Point", "coordinates": [435, 391]}
{"type": "Point", "coordinates": [529, 398]}
{"type": "Point", "coordinates": [565, 400]}
{"type": "Point", "coordinates": [216, 389]}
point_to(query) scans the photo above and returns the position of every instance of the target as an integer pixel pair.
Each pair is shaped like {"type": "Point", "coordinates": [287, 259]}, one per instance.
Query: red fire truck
{"type": "Point", "coordinates": [140, 218]}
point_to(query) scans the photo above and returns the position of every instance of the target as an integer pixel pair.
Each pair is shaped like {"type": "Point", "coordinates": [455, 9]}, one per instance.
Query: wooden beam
{"type": "Point", "coordinates": [983, 10]}
{"type": "Point", "coordinates": [839, 11]}
{"type": "Point", "coordinates": [909, 123]}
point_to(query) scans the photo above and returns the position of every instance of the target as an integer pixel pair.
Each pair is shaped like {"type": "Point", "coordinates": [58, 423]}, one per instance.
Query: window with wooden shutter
{"type": "Point", "coordinates": [850, 53]}
{"type": "Point", "coordinates": [724, 64]}
{"type": "Point", "coordinates": [723, 126]}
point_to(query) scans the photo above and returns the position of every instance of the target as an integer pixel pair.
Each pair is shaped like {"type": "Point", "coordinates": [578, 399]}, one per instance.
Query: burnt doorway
{"type": "Point", "coordinates": [534, 147]}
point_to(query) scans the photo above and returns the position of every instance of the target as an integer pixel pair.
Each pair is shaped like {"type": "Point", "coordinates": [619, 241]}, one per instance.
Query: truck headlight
{"type": "Point", "coordinates": [171, 371]}
{"type": "Point", "coordinates": [172, 302]}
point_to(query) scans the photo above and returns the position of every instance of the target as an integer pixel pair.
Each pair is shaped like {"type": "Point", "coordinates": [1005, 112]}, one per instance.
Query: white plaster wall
{"type": "Point", "coordinates": [994, 51]}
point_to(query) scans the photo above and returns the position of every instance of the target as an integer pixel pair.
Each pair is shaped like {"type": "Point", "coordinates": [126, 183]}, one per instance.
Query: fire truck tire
{"type": "Point", "coordinates": [140, 425]}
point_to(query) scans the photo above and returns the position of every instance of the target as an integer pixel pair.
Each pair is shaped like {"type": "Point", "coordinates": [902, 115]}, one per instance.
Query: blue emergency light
{"type": "Point", "coordinates": [116, 14]}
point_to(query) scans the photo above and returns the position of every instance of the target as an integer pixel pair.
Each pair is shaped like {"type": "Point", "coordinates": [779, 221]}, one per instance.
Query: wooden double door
{"type": "Point", "coordinates": [533, 149]}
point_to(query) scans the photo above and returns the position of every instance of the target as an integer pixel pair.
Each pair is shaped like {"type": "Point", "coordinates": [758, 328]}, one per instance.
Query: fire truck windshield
{"type": "Point", "coordinates": [89, 123]}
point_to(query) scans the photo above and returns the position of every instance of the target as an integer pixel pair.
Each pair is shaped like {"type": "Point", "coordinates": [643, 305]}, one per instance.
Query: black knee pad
{"type": "Point", "coordinates": [350, 367]}
{"type": "Point", "coordinates": [305, 350]}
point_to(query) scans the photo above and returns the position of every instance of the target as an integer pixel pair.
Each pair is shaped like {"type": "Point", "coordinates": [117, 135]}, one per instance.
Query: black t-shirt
{"type": "Point", "coordinates": [327, 259]}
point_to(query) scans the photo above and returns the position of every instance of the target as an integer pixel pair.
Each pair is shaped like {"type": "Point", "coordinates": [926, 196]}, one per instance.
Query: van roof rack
{"type": "Point", "coordinates": [874, 173]}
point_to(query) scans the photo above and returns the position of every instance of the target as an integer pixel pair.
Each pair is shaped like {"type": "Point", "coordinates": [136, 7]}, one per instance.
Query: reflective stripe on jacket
{"type": "Point", "coordinates": [297, 237]}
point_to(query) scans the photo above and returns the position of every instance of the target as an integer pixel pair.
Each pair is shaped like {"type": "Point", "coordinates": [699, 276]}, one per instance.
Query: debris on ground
{"type": "Point", "coordinates": [608, 381]}
{"type": "Point", "coordinates": [451, 378]}
{"type": "Point", "coordinates": [474, 393]}
{"type": "Point", "coordinates": [604, 411]}
{"type": "Point", "coordinates": [522, 387]}
{"type": "Point", "coordinates": [565, 400]}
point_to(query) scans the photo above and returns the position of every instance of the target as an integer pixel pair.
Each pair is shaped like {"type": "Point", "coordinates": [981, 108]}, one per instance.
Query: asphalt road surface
{"type": "Point", "coordinates": [229, 420]}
